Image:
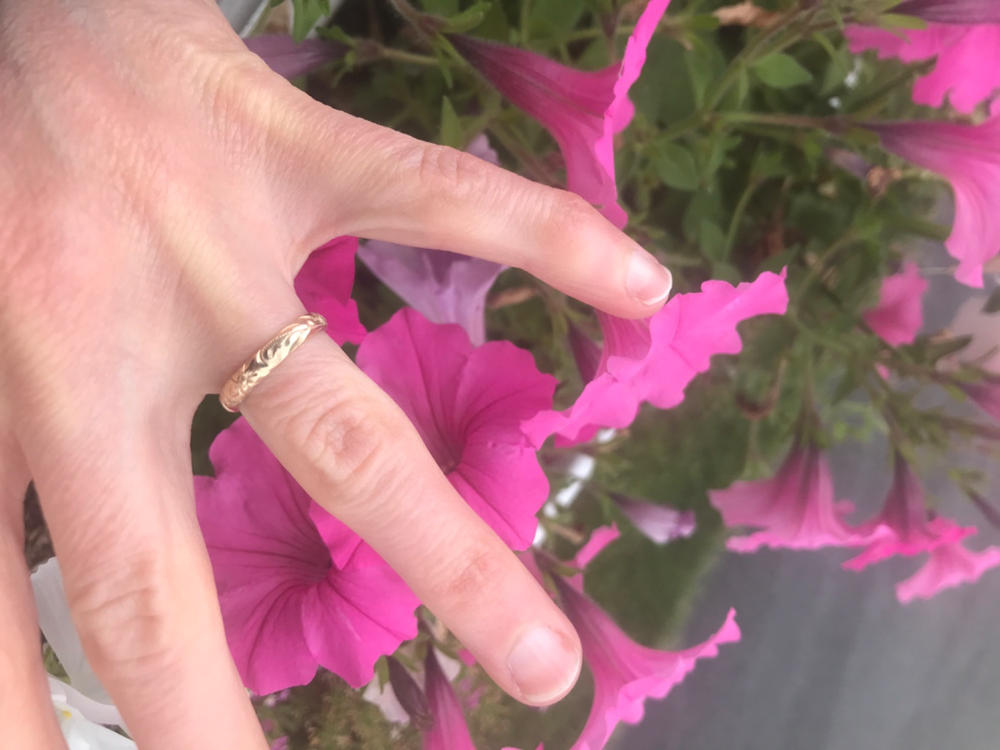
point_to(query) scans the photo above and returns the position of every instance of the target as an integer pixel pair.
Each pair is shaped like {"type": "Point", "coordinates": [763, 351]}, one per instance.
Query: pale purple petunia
{"type": "Point", "coordinates": [658, 523]}
{"type": "Point", "coordinates": [468, 403]}
{"type": "Point", "coordinates": [296, 587]}
{"type": "Point", "coordinates": [289, 58]}
{"type": "Point", "coordinates": [444, 287]}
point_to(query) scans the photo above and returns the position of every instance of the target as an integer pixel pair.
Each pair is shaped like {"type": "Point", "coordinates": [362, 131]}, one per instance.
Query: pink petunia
{"type": "Point", "coordinates": [653, 360]}
{"type": "Point", "coordinates": [444, 287]}
{"type": "Point", "coordinates": [324, 285]}
{"type": "Point", "coordinates": [468, 404]}
{"type": "Point", "coordinates": [949, 565]}
{"type": "Point", "coordinates": [986, 394]}
{"type": "Point", "coordinates": [968, 156]}
{"type": "Point", "coordinates": [903, 526]}
{"type": "Point", "coordinates": [795, 509]}
{"type": "Point", "coordinates": [898, 316]}
{"type": "Point", "coordinates": [626, 673]}
{"type": "Point", "coordinates": [583, 110]}
{"type": "Point", "coordinates": [967, 68]}
{"type": "Point", "coordinates": [296, 587]}
{"type": "Point", "coordinates": [448, 730]}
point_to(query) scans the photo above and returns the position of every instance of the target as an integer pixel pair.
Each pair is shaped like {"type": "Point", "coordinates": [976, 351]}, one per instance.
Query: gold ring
{"type": "Point", "coordinates": [269, 356]}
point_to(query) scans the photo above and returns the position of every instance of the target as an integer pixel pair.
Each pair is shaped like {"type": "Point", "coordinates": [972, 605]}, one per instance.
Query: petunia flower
{"type": "Point", "coordinates": [658, 523]}
{"type": "Point", "coordinates": [949, 565]}
{"type": "Point", "coordinates": [986, 394]}
{"type": "Point", "coordinates": [324, 285]}
{"type": "Point", "coordinates": [468, 404]}
{"type": "Point", "coordinates": [599, 538]}
{"type": "Point", "coordinates": [626, 673]}
{"type": "Point", "coordinates": [296, 587]}
{"type": "Point", "coordinates": [448, 731]}
{"type": "Point", "coordinates": [964, 40]}
{"type": "Point", "coordinates": [653, 360]}
{"type": "Point", "coordinates": [898, 316]}
{"type": "Point", "coordinates": [444, 287]}
{"type": "Point", "coordinates": [582, 109]}
{"type": "Point", "coordinates": [903, 526]}
{"type": "Point", "coordinates": [289, 58]}
{"type": "Point", "coordinates": [968, 156]}
{"type": "Point", "coordinates": [794, 509]}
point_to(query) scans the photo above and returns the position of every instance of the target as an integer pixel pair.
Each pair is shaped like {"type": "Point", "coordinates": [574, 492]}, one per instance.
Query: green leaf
{"type": "Point", "coordinates": [901, 21]}
{"type": "Point", "coordinates": [675, 165]}
{"type": "Point", "coordinates": [440, 7]}
{"type": "Point", "coordinates": [468, 19]}
{"type": "Point", "coordinates": [712, 240]}
{"type": "Point", "coordinates": [451, 126]}
{"type": "Point", "coordinates": [781, 71]}
{"type": "Point", "coordinates": [306, 14]}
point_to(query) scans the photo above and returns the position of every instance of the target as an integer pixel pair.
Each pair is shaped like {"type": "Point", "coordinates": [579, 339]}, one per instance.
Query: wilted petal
{"type": "Point", "coordinates": [951, 11]}
{"type": "Point", "coordinates": [968, 156]}
{"type": "Point", "coordinates": [289, 58]}
{"type": "Point", "coordinates": [948, 566]}
{"type": "Point", "coordinates": [658, 523]}
{"type": "Point", "coordinates": [289, 601]}
{"type": "Point", "coordinates": [324, 285]}
{"type": "Point", "coordinates": [600, 538]}
{"type": "Point", "coordinates": [986, 394]}
{"type": "Point", "coordinates": [795, 509]}
{"type": "Point", "coordinates": [898, 316]}
{"type": "Point", "coordinates": [468, 404]}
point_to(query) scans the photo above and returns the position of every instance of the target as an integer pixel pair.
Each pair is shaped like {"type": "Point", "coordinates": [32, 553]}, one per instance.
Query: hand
{"type": "Point", "coordinates": [159, 190]}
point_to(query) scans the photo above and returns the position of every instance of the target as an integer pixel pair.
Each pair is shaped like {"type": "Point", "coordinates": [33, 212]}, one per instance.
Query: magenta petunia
{"type": "Point", "coordinates": [986, 394]}
{"type": "Point", "coordinates": [903, 526]}
{"type": "Point", "coordinates": [600, 538]}
{"type": "Point", "coordinates": [294, 595]}
{"type": "Point", "coordinates": [653, 360]}
{"type": "Point", "coordinates": [444, 287]}
{"type": "Point", "coordinates": [582, 109]}
{"type": "Point", "coordinates": [324, 285]}
{"type": "Point", "coordinates": [795, 509]}
{"type": "Point", "coordinates": [968, 156]}
{"type": "Point", "coordinates": [468, 404]}
{"type": "Point", "coordinates": [949, 565]}
{"type": "Point", "coordinates": [967, 67]}
{"type": "Point", "coordinates": [290, 58]}
{"type": "Point", "coordinates": [899, 315]}
{"type": "Point", "coordinates": [448, 730]}
{"type": "Point", "coordinates": [626, 673]}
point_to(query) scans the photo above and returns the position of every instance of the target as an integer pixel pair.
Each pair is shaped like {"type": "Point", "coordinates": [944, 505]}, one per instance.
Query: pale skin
{"type": "Point", "coordinates": [160, 188]}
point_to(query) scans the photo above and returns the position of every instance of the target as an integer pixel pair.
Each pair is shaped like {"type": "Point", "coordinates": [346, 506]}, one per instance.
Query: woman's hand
{"type": "Point", "coordinates": [159, 189]}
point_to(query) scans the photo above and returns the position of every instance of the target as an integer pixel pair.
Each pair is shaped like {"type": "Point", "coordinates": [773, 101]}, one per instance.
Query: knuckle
{"type": "Point", "coordinates": [126, 612]}
{"type": "Point", "coordinates": [474, 575]}
{"type": "Point", "coordinates": [451, 171]}
{"type": "Point", "coordinates": [347, 440]}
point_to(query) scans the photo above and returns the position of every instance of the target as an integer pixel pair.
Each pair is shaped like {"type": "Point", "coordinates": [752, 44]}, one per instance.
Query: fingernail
{"type": "Point", "coordinates": [544, 664]}
{"type": "Point", "coordinates": [647, 280]}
